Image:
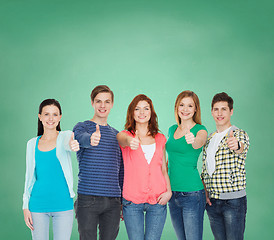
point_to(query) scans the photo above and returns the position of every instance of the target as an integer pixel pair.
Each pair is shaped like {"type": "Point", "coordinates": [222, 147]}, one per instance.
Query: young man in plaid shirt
{"type": "Point", "coordinates": [223, 173]}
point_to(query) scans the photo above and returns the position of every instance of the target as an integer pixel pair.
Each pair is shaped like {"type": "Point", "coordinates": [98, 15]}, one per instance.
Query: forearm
{"type": "Point", "coordinates": [123, 139]}
{"type": "Point", "coordinates": [198, 143]}
{"type": "Point", "coordinates": [200, 139]}
{"type": "Point", "coordinates": [168, 186]}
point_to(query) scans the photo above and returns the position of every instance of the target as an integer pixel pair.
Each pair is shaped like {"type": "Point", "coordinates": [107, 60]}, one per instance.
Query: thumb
{"type": "Point", "coordinates": [72, 136]}
{"type": "Point", "coordinates": [97, 128]}
{"type": "Point", "coordinates": [231, 134]}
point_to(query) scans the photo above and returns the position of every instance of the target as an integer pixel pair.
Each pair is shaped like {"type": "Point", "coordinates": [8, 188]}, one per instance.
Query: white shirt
{"type": "Point", "coordinates": [212, 149]}
{"type": "Point", "coordinates": [149, 151]}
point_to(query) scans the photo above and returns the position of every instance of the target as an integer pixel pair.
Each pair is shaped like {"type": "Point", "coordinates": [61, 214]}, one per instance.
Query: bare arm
{"type": "Point", "coordinates": [164, 197]}
{"type": "Point", "coordinates": [123, 139]}
{"type": "Point", "coordinates": [200, 139]}
{"type": "Point", "coordinates": [128, 141]}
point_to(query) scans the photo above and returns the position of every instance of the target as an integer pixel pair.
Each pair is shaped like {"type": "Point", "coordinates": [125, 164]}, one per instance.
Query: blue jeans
{"type": "Point", "coordinates": [187, 214]}
{"type": "Point", "coordinates": [93, 211]}
{"type": "Point", "coordinates": [134, 217]}
{"type": "Point", "coordinates": [61, 222]}
{"type": "Point", "coordinates": [227, 218]}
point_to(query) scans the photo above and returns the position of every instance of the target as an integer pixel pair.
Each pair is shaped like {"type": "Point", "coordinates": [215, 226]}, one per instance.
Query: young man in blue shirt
{"type": "Point", "coordinates": [100, 171]}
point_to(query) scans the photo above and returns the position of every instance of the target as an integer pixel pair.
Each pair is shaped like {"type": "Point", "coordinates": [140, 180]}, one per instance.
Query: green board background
{"type": "Point", "coordinates": [62, 49]}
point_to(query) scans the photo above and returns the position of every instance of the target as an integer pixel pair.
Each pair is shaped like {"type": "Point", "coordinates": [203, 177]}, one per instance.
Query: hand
{"type": "Point", "coordinates": [232, 142]}
{"type": "Point", "coordinates": [95, 137]}
{"type": "Point", "coordinates": [189, 136]}
{"type": "Point", "coordinates": [121, 213]}
{"type": "Point", "coordinates": [74, 145]}
{"type": "Point", "coordinates": [134, 142]}
{"type": "Point", "coordinates": [207, 198]}
{"type": "Point", "coordinates": [28, 219]}
{"type": "Point", "coordinates": [164, 198]}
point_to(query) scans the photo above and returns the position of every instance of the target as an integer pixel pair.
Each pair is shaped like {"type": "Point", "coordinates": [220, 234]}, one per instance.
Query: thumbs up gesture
{"type": "Point", "coordinates": [189, 136]}
{"type": "Point", "coordinates": [232, 142]}
{"type": "Point", "coordinates": [73, 144]}
{"type": "Point", "coordinates": [95, 137]}
{"type": "Point", "coordinates": [134, 142]}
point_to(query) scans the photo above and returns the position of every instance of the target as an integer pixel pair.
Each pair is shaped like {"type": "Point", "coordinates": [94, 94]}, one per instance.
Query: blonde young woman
{"type": "Point", "coordinates": [186, 138]}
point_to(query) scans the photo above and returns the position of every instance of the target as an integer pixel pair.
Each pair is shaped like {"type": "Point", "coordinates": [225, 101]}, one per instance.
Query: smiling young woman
{"type": "Point", "coordinates": [146, 188]}
{"type": "Point", "coordinates": [48, 183]}
{"type": "Point", "coordinates": [186, 138]}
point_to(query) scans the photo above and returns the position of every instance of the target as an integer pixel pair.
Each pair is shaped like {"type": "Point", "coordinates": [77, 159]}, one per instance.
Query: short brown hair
{"type": "Point", "coordinates": [130, 122]}
{"type": "Point", "coordinates": [197, 115]}
{"type": "Point", "coordinates": [222, 97]}
{"type": "Point", "coordinates": [99, 89]}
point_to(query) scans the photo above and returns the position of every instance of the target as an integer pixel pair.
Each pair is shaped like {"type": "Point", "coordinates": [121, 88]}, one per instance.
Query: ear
{"type": "Point", "coordinates": [92, 103]}
{"type": "Point", "coordinates": [39, 116]}
{"type": "Point", "coordinates": [231, 112]}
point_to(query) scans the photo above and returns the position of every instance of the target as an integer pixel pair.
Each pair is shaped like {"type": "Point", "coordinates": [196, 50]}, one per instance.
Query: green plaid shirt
{"type": "Point", "coordinates": [229, 174]}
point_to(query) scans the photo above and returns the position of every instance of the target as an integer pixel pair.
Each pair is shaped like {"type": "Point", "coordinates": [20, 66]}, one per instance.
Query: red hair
{"type": "Point", "coordinates": [130, 122]}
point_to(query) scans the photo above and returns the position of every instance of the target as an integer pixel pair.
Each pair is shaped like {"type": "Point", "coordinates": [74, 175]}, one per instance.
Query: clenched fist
{"type": "Point", "coordinates": [134, 142]}
{"type": "Point", "coordinates": [189, 136]}
{"type": "Point", "coordinates": [232, 142]}
{"type": "Point", "coordinates": [74, 145]}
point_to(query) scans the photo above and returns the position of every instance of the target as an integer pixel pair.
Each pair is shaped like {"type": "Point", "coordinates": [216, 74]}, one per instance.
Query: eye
{"type": "Point", "coordinates": [147, 109]}
{"type": "Point", "coordinates": [181, 105]}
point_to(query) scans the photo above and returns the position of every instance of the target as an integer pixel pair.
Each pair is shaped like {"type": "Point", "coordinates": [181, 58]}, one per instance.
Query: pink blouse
{"type": "Point", "coordinates": [143, 182]}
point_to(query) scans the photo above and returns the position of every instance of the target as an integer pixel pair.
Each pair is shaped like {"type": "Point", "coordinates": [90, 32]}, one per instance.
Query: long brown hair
{"type": "Point", "coordinates": [197, 115]}
{"type": "Point", "coordinates": [47, 102]}
{"type": "Point", "coordinates": [153, 121]}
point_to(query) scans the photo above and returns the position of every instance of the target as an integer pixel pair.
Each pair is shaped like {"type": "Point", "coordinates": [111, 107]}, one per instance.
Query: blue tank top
{"type": "Point", "coordinates": [50, 192]}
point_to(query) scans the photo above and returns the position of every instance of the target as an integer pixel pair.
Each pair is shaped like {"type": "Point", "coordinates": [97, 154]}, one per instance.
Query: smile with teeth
{"type": "Point", "coordinates": [185, 114]}
{"type": "Point", "coordinates": [220, 118]}
{"type": "Point", "coordinates": [102, 110]}
{"type": "Point", "coordinates": [50, 123]}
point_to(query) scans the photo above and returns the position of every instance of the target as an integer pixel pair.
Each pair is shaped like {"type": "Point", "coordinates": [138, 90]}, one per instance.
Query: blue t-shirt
{"type": "Point", "coordinates": [50, 192]}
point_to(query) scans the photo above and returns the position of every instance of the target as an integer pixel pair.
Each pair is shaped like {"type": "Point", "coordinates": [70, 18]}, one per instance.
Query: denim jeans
{"type": "Point", "coordinates": [187, 214]}
{"type": "Point", "coordinates": [144, 221]}
{"type": "Point", "coordinates": [227, 218]}
{"type": "Point", "coordinates": [61, 222]}
{"type": "Point", "coordinates": [92, 211]}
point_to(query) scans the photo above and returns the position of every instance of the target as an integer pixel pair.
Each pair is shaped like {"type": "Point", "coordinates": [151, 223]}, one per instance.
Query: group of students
{"type": "Point", "coordinates": [127, 174]}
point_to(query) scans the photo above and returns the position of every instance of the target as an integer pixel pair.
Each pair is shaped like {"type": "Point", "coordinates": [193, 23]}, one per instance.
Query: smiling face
{"type": "Point", "coordinates": [222, 115]}
{"type": "Point", "coordinates": [142, 112]}
{"type": "Point", "coordinates": [50, 117]}
{"type": "Point", "coordinates": [102, 105]}
{"type": "Point", "coordinates": [186, 109]}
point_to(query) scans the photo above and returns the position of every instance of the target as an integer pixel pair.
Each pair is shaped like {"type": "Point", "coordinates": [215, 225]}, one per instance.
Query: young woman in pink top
{"type": "Point", "coordinates": [146, 189]}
